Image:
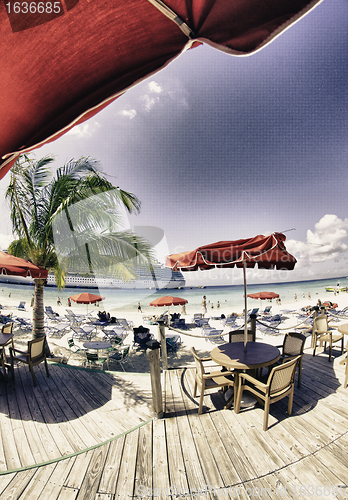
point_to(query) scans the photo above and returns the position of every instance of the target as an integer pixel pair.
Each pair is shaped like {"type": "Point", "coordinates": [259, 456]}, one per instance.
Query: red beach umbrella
{"type": "Point", "coordinates": [266, 252]}
{"type": "Point", "coordinates": [14, 266]}
{"type": "Point", "coordinates": [263, 295]}
{"type": "Point", "coordinates": [64, 61]}
{"type": "Point", "coordinates": [86, 298]}
{"type": "Point", "coordinates": [168, 300]}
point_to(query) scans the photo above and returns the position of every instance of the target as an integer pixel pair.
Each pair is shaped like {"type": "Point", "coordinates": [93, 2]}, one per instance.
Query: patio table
{"type": "Point", "coordinates": [343, 328]}
{"type": "Point", "coordinates": [233, 356]}
{"type": "Point", "coordinates": [97, 345]}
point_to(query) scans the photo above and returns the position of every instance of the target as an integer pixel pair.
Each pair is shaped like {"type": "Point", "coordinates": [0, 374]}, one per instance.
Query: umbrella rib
{"type": "Point", "coordinates": [162, 7]}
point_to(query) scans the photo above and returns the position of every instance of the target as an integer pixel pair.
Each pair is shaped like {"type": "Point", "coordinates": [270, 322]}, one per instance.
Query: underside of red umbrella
{"type": "Point", "coordinates": [265, 252]}
{"type": "Point", "coordinates": [168, 300]}
{"type": "Point", "coordinates": [263, 295]}
{"type": "Point", "coordinates": [14, 266]}
{"type": "Point", "coordinates": [64, 61]}
{"type": "Point", "coordinates": [86, 298]}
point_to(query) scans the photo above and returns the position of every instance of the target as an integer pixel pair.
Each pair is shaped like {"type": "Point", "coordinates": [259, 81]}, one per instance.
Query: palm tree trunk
{"type": "Point", "coordinates": [39, 312]}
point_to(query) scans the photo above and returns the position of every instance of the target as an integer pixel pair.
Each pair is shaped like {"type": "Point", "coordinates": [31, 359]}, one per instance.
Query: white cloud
{"type": "Point", "coordinates": [6, 239]}
{"type": "Point", "coordinates": [128, 113]}
{"type": "Point", "coordinates": [154, 87]}
{"type": "Point", "coordinates": [325, 243]}
{"type": "Point", "coordinates": [84, 129]}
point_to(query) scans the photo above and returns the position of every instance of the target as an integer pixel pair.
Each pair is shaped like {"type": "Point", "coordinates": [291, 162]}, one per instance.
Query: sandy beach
{"type": "Point", "coordinates": [191, 337]}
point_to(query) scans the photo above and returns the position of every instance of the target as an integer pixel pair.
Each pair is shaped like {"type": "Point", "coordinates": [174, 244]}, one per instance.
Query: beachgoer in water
{"type": "Point", "coordinates": [295, 297]}
{"type": "Point", "coordinates": [309, 295]}
{"type": "Point", "coordinates": [218, 304]}
{"type": "Point", "coordinates": [59, 302]}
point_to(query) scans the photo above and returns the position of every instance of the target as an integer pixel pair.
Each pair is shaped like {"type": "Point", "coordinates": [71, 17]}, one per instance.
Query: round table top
{"type": "Point", "coordinates": [343, 328]}
{"type": "Point", "coordinates": [97, 344]}
{"type": "Point", "coordinates": [232, 355]}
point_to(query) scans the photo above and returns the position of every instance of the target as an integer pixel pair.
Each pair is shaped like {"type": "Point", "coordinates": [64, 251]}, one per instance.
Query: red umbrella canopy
{"type": "Point", "coordinates": [263, 295]}
{"type": "Point", "coordinates": [267, 252]}
{"type": "Point", "coordinates": [86, 298]}
{"type": "Point", "coordinates": [14, 266]}
{"type": "Point", "coordinates": [168, 301]}
{"type": "Point", "coordinates": [62, 62]}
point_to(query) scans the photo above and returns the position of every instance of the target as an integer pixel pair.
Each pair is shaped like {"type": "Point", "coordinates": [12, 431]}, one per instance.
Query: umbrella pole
{"type": "Point", "coordinates": [245, 308]}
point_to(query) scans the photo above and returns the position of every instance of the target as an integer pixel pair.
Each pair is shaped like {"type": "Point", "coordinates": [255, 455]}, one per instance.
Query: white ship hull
{"type": "Point", "coordinates": [75, 281]}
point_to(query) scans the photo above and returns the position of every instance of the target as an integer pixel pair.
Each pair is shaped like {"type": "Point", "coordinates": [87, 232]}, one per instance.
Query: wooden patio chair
{"type": "Point", "coordinates": [344, 361]}
{"type": "Point", "coordinates": [35, 355]}
{"type": "Point", "coordinates": [238, 336]}
{"type": "Point", "coordinates": [205, 380]}
{"type": "Point", "coordinates": [280, 383]}
{"type": "Point", "coordinates": [323, 333]}
{"type": "Point", "coordinates": [292, 347]}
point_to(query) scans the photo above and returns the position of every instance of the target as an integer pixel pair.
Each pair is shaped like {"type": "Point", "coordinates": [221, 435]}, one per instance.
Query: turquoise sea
{"type": "Point", "coordinates": [117, 301]}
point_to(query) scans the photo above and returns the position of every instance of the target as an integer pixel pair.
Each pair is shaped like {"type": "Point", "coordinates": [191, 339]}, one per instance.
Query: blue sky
{"type": "Point", "coordinates": [221, 147]}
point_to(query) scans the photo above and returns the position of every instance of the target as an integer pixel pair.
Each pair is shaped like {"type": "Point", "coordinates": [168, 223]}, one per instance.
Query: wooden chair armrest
{"type": "Point", "coordinates": [219, 373]}
{"type": "Point", "coordinates": [18, 350]}
{"type": "Point", "coordinates": [206, 359]}
{"type": "Point", "coordinates": [343, 361]}
{"type": "Point", "coordinates": [257, 383]}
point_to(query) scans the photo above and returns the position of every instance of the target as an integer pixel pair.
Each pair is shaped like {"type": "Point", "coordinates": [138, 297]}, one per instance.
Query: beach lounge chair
{"type": "Point", "coordinates": [323, 333]}
{"type": "Point", "coordinates": [23, 323]}
{"type": "Point", "coordinates": [205, 381]}
{"type": "Point", "coordinates": [267, 310]}
{"type": "Point", "coordinates": [213, 335]}
{"type": "Point", "coordinates": [35, 354]}
{"type": "Point", "coordinates": [83, 333]}
{"type": "Point", "coordinates": [115, 335]}
{"type": "Point", "coordinates": [21, 306]}
{"type": "Point", "coordinates": [280, 383]}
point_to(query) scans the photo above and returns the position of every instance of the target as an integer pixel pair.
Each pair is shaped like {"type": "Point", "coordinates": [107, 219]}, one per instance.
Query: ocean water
{"type": "Point", "coordinates": [122, 301]}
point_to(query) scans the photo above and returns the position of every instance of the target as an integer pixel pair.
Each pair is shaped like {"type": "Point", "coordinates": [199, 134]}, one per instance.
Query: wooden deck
{"type": "Point", "coordinates": [89, 435]}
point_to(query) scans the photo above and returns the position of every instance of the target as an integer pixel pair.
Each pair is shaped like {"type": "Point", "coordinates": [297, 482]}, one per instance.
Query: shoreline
{"type": "Point", "coordinates": [59, 346]}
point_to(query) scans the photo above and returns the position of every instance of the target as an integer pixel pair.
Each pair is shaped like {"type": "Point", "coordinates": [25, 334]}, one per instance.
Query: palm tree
{"type": "Point", "coordinates": [69, 218]}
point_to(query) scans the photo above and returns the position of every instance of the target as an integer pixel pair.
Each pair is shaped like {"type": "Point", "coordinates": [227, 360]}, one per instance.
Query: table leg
{"type": "Point", "coordinates": [235, 390]}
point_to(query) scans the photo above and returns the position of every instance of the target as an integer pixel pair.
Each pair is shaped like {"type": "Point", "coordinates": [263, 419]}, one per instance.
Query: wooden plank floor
{"type": "Point", "coordinates": [219, 453]}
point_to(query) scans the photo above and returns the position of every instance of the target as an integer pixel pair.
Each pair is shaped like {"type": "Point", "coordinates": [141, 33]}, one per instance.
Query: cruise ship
{"type": "Point", "coordinates": [161, 278]}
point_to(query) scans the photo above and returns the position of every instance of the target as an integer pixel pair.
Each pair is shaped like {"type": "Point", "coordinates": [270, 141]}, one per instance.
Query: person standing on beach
{"type": "Point", "coordinates": [59, 302]}
{"type": "Point", "coordinates": [204, 305]}
{"type": "Point", "coordinates": [139, 307]}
